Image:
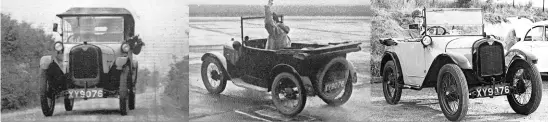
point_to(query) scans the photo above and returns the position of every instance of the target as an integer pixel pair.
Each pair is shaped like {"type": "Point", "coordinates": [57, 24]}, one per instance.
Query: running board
{"type": "Point", "coordinates": [239, 82]}
{"type": "Point", "coordinates": [411, 87]}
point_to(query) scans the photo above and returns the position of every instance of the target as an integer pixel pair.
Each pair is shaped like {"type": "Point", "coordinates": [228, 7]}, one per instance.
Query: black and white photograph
{"type": "Point", "coordinates": [94, 60]}
{"type": "Point", "coordinates": [279, 60]}
{"type": "Point", "coordinates": [459, 60]}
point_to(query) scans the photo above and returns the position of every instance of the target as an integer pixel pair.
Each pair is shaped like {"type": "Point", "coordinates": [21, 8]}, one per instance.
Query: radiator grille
{"type": "Point", "coordinates": [84, 61]}
{"type": "Point", "coordinates": [491, 59]}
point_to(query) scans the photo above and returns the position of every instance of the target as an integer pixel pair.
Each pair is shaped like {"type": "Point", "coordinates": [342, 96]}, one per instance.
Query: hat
{"type": "Point", "coordinates": [283, 27]}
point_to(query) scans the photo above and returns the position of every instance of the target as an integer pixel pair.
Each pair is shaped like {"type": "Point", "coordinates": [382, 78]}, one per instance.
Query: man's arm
{"type": "Point", "coordinates": [269, 22]}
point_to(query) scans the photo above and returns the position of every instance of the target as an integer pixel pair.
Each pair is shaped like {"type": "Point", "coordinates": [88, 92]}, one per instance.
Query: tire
{"type": "Point", "coordinates": [451, 74]}
{"type": "Point", "coordinates": [47, 95]}
{"type": "Point", "coordinates": [281, 81]}
{"type": "Point", "coordinates": [391, 80]}
{"type": "Point", "coordinates": [327, 75]}
{"type": "Point", "coordinates": [529, 72]}
{"type": "Point", "coordinates": [123, 91]}
{"type": "Point", "coordinates": [69, 103]}
{"type": "Point", "coordinates": [133, 88]}
{"type": "Point", "coordinates": [216, 74]}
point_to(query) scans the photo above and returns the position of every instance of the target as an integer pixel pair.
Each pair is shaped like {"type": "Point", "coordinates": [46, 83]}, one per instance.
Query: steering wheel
{"type": "Point", "coordinates": [435, 30]}
{"type": "Point", "coordinates": [68, 39]}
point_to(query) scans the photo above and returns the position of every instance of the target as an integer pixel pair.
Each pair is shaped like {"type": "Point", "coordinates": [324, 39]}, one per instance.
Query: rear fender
{"type": "Point", "coordinates": [353, 73]}
{"type": "Point", "coordinates": [287, 68]}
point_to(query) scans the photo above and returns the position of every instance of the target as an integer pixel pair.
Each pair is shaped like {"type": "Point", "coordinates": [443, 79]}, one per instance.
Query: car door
{"type": "Point", "coordinates": [411, 56]}
{"type": "Point", "coordinates": [255, 64]}
{"type": "Point", "coordinates": [539, 49]}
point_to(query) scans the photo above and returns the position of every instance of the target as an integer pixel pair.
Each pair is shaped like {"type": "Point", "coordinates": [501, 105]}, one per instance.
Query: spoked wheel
{"type": "Point", "coordinates": [391, 83]}
{"type": "Point", "coordinates": [288, 94]}
{"type": "Point", "coordinates": [526, 80]}
{"type": "Point", "coordinates": [213, 76]}
{"type": "Point", "coordinates": [47, 95]}
{"type": "Point", "coordinates": [124, 91]}
{"type": "Point", "coordinates": [452, 92]}
{"type": "Point", "coordinates": [69, 103]}
{"type": "Point", "coordinates": [334, 83]}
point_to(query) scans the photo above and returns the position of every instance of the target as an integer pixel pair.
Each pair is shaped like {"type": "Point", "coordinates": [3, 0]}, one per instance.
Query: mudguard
{"type": "Point", "coordinates": [523, 54]}
{"type": "Point", "coordinates": [390, 56]}
{"type": "Point", "coordinates": [459, 59]}
{"type": "Point", "coordinates": [218, 56]}
{"type": "Point", "coordinates": [285, 67]}
{"type": "Point", "coordinates": [120, 62]}
{"type": "Point", "coordinates": [353, 73]}
{"type": "Point", "coordinates": [45, 61]}
{"type": "Point", "coordinates": [135, 64]}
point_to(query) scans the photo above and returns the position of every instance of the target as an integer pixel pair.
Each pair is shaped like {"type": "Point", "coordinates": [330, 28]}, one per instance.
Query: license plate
{"type": "Point", "coordinates": [490, 91]}
{"type": "Point", "coordinates": [83, 93]}
{"type": "Point", "coordinates": [334, 85]}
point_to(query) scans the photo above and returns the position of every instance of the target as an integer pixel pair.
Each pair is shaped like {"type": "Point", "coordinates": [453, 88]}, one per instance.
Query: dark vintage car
{"type": "Point", "coordinates": [456, 57]}
{"type": "Point", "coordinates": [93, 60]}
{"type": "Point", "coordinates": [290, 74]}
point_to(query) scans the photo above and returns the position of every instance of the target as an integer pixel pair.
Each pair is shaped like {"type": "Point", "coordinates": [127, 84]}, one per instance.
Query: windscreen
{"type": "Point", "coordinates": [93, 29]}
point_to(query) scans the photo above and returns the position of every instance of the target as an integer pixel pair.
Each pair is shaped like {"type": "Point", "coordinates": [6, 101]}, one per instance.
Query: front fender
{"type": "Point", "coordinates": [120, 62]}
{"type": "Point", "coordinates": [390, 56]}
{"type": "Point", "coordinates": [460, 60]}
{"type": "Point", "coordinates": [523, 54]}
{"type": "Point", "coordinates": [45, 61]}
{"type": "Point", "coordinates": [217, 56]}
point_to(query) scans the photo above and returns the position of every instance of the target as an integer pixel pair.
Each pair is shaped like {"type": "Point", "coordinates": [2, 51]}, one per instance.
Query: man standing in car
{"type": "Point", "coordinates": [277, 31]}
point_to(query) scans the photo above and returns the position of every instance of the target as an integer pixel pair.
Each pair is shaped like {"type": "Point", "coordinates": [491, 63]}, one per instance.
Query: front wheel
{"type": "Point", "coordinates": [526, 80]}
{"type": "Point", "coordinates": [288, 94]}
{"type": "Point", "coordinates": [391, 83]}
{"type": "Point", "coordinates": [452, 92]}
{"type": "Point", "coordinates": [47, 95]}
{"type": "Point", "coordinates": [334, 82]}
{"type": "Point", "coordinates": [123, 91]}
{"type": "Point", "coordinates": [213, 76]}
{"type": "Point", "coordinates": [69, 103]}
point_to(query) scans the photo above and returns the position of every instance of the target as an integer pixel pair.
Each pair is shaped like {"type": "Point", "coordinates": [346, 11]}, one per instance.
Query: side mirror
{"type": "Point", "coordinates": [236, 45]}
{"type": "Point", "coordinates": [55, 27]}
{"type": "Point", "coordinates": [528, 38]}
{"type": "Point", "coordinates": [414, 26]}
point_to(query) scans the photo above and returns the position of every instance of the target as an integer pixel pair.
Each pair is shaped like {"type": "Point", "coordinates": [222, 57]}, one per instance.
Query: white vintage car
{"type": "Point", "coordinates": [454, 55]}
{"type": "Point", "coordinates": [531, 37]}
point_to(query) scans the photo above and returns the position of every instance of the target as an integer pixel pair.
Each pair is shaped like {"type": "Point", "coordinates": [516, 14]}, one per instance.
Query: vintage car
{"type": "Point", "coordinates": [460, 66]}
{"type": "Point", "coordinates": [289, 74]}
{"type": "Point", "coordinates": [532, 38]}
{"type": "Point", "coordinates": [94, 59]}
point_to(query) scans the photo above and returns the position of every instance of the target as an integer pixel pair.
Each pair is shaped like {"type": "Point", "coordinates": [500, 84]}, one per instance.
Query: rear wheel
{"type": "Point", "coordinates": [288, 94]}
{"type": "Point", "coordinates": [123, 91]}
{"type": "Point", "coordinates": [391, 83]}
{"type": "Point", "coordinates": [452, 92]}
{"type": "Point", "coordinates": [47, 95]}
{"type": "Point", "coordinates": [334, 83]}
{"type": "Point", "coordinates": [69, 103]}
{"type": "Point", "coordinates": [526, 80]}
{"type": "Point", "coordinates": [213, 76]}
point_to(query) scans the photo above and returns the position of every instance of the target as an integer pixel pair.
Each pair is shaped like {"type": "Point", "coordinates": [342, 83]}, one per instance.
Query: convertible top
{"type": "Point", "coordinates": [78, 11]}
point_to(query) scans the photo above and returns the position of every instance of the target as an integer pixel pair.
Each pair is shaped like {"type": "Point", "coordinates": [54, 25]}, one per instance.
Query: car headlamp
{"type": "Point", "coordinates": [125, 47]}
{"type": "Point", "coordinates": [426, 40]}
{"type": "Point", "coordinates": [58, 46]}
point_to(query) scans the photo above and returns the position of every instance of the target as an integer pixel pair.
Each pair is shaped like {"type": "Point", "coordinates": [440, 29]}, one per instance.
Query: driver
{"type": "Point", "coordinates": [277, 31]}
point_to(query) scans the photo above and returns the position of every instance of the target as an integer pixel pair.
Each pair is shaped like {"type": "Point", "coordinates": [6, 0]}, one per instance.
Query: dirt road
{"type": "Point", "coordinates": [150, 106]}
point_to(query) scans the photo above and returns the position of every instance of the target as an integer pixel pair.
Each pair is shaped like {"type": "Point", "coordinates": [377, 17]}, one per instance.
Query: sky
{"type": "Point", "coordinates": [282, 2]}
{"type": "Point", "coordinates": [162, 24]}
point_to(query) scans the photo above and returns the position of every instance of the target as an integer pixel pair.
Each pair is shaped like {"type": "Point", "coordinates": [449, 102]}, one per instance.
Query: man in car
{"type": "Point", "coordinates": [277, 31]}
